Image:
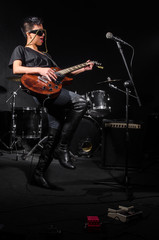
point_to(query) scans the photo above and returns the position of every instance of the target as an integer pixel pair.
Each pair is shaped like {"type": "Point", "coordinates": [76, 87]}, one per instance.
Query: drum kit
{"type": "Point", "coordinates": [87, 137]}
{"type": "Point", "coordinates": [28, 123]}
{"type": "Point", "coordinates": [18, 124]}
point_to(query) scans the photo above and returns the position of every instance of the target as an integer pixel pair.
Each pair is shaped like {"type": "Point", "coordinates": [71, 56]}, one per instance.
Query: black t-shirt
{"type": "Point", "coordinates": [31, 58]}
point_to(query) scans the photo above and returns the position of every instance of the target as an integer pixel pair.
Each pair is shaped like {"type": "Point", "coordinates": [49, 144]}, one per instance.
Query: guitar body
{"type": "Point", "coordinates": [41, 86]}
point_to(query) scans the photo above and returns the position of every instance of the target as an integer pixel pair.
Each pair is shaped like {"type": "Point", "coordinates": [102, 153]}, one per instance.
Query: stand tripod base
{"type": "Point", "coordinates": [13, 145]}
{"type": "Point", "coordinates": [121, 183]}
{"type": "Point", "coordinates": [39, 144]}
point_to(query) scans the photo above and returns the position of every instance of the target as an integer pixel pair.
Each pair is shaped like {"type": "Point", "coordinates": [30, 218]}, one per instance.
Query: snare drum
{"type": "Point", "coordinates": [28, 122]}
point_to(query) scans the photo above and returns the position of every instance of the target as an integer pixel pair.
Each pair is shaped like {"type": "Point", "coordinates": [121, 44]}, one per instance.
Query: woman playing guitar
{"type": "Point", "coordinates": [30, 60]}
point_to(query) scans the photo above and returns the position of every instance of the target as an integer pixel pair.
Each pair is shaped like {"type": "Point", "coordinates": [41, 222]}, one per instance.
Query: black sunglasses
{"type": "Point", "coordinates": [38, 32]}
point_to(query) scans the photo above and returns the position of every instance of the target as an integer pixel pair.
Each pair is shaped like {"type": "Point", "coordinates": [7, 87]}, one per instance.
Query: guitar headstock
{"type": "Point", "coordinates": [98, 65]}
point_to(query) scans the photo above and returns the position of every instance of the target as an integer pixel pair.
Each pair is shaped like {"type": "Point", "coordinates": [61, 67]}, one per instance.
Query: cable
{"type": "Point", "coordinates": [46, 49]}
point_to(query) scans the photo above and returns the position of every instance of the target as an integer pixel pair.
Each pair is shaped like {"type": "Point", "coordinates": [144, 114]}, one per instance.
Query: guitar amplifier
{"type": "Point", "coordinates": [113, 150]}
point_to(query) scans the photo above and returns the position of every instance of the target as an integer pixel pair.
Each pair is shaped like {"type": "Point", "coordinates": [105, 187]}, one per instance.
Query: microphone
{"type": "Point", "coordinates": [109, 35]}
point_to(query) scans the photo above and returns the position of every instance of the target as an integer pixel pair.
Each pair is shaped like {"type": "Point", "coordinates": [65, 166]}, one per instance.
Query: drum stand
{"type": "Point", "coordinates": [13, 140]}
{"type": "Point", "coordinates": [127, 84]}
{"type": "Point", "coordinates": [39, 144]}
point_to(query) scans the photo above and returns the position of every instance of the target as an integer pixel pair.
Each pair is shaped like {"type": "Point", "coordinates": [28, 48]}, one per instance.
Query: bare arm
{"type": "Point", "coordinates": [87, 68]}
{"type": "Point", "coordinates": [19, 69]}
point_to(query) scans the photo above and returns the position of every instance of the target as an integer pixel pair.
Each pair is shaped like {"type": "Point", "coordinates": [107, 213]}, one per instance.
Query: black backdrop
{"type": "Point", "coordinates": [77, 33]}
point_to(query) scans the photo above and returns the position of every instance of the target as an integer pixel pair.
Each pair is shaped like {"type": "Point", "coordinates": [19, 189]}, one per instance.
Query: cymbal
{"type": "Point", "coordinates": [3, 89]}
{"type": "Point", "coordinates": [109, 80]}
{"type": "Point", "coordinates": [15, 78]}
{"type": "Point", "coordinates": [113, 80]}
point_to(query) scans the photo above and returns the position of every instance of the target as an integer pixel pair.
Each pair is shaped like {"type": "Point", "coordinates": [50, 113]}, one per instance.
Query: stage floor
{"type": "Point", "coordinates": [29, 212]}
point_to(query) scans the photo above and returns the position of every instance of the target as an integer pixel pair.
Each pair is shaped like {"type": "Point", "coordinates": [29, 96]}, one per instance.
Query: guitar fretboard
{"type": "Point", "coordinates": [73, 68]}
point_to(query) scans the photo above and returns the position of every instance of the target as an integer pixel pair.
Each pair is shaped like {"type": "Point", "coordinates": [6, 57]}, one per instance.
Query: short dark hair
{"type": "Point", "coordinates": [29, 22]}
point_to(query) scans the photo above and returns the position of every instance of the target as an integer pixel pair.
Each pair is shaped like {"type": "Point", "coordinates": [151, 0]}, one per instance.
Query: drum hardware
{"type": "Point", "coordinates": [120, 90]}
{"type": "Point", "coordinates": [26, 122]}
{"type": "Point", "coordinates": [13, 139]}
{"type": "Point", "coordinates": [2, 91]}
{"type": "Point", "coordinates": [109, 80]}
{"type": "Point", "coordinates": [39, 144]}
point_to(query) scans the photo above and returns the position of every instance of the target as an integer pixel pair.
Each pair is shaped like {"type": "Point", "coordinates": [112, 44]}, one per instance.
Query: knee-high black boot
{"type": "Point", "coordinates": [45, 159]}
{"type": "Point", "coordinates": [79, 107]}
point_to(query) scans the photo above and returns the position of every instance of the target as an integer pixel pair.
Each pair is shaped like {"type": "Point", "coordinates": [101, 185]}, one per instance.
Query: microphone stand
{"type": "Point", "coordinates": [127, 85]}
{"type": "Point", "coordinates": [130, 77]}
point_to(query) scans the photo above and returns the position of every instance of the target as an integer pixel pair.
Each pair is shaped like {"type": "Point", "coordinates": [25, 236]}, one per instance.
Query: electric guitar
{"type": "Point", "coordinates": [41, 86]}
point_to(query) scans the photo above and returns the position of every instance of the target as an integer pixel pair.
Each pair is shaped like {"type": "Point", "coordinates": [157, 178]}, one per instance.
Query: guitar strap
{"type": "Point", "coordinates": [50, 58]}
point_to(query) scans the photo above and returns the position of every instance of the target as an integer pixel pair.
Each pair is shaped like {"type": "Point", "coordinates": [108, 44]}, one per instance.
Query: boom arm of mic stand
{"type": "Point", "coordinates": [120, 90]}
{"type": "Point", "coordinates": [132, 82]}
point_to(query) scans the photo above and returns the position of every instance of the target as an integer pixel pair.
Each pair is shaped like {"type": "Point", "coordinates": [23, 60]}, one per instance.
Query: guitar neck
{"type": "Point", "coordinates": [73, 68]}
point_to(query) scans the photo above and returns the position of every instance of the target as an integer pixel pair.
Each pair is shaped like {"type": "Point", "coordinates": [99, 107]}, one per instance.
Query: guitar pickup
{"type": "Point", "coordinates": [60, 75]}
{"type": "Point", "coordinates": [43, 79]}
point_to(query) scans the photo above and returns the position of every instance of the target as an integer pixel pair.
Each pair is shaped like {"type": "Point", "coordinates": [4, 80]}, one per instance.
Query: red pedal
{"type": "Point", "coordinates": [93, 223]}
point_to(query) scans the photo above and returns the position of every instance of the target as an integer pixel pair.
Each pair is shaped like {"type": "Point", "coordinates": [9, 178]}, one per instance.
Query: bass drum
{"type": "Point", "coordinates": [87, 137]}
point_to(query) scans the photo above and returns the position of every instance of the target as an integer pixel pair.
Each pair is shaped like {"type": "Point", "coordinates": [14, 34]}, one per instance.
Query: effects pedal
{"type": "Point", "coordinates": [93, 223]}
{"type": "Point", "coordinates": [124, 214]}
